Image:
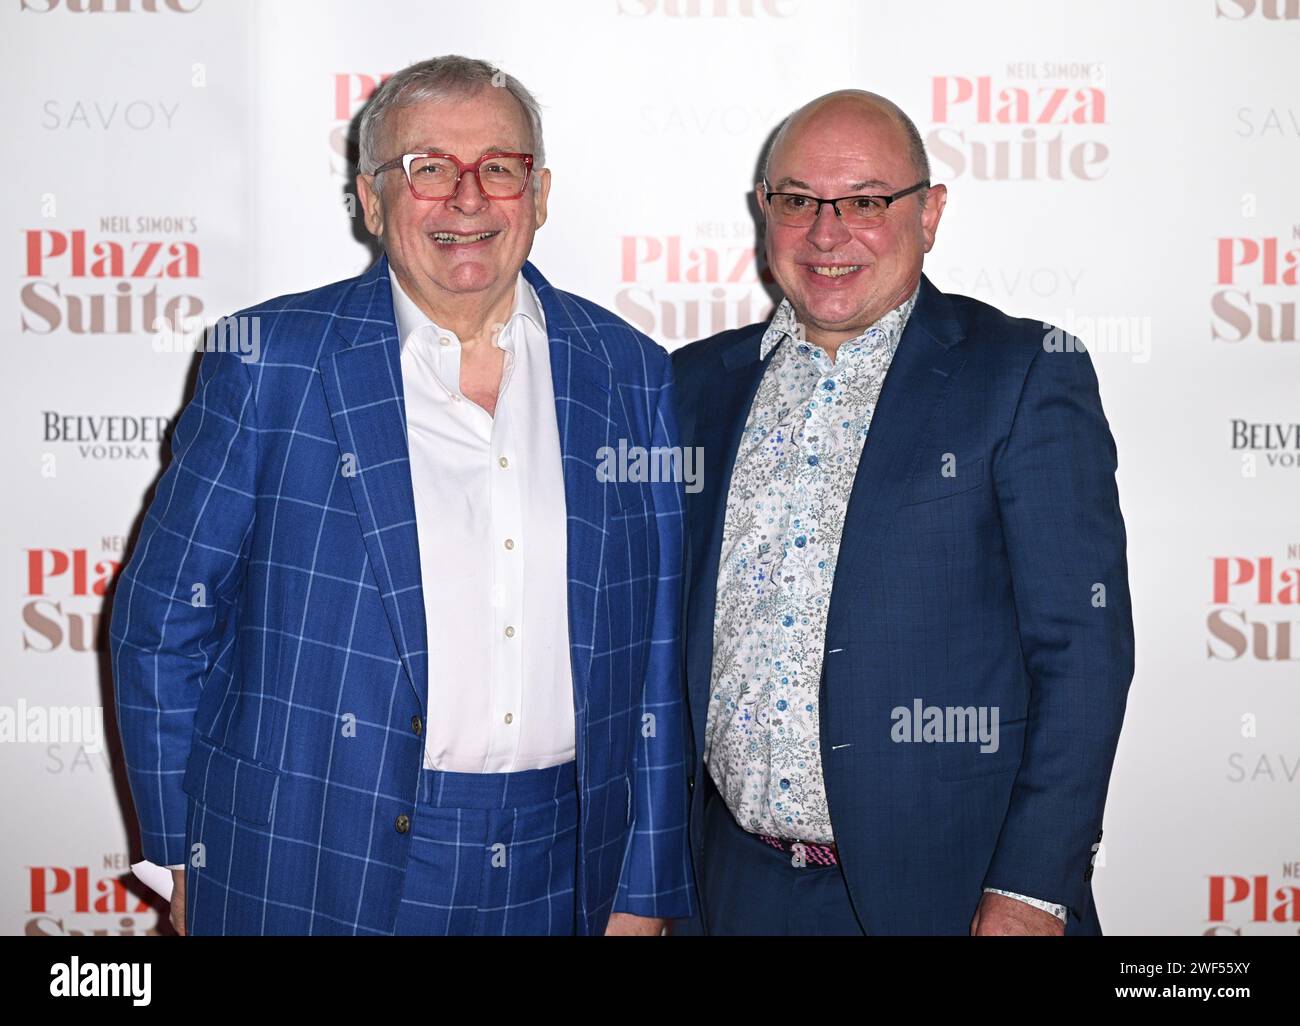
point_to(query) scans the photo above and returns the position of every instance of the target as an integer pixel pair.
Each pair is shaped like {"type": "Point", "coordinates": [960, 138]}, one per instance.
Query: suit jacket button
{"type": "Point", "coordinates": [690, 783]}
{"type": "Point", "coordinates": [416, 725]}
{"type": "Point", "coordinates": [403, 823]}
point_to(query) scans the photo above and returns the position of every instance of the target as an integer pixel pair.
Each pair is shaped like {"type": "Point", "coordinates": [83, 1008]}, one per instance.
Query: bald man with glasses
{"type": "Point", "coordinates": [908, 629]}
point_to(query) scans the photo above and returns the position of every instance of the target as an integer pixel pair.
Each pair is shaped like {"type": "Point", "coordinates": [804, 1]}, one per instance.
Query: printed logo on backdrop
{"type": "Point", "coordinates": [110, 6]}
{"type": "Point", "coordinates": [1033, 121]}
{"type": "Point", "coordinates": [111, 115]}
{"type": "Point", "coordinates": [76, 901]}
{"type": "Point", "coordinates": [709, 8]}
{"type": "Point", "coordinates": [1268, 122]}
{"type": "Point", "coordinates": [351, 91]}
{"type": "Point", "coordinates": [64, 596]}
{"type": "Point", "coordinates": [998, 283]}
{"type": "Point", "coordinates": [1258, 765]}
{"type": "Point", "coordinates": [682, 287]}
{"type": "Point", "coordinates": [1265, 121]}
{"type": "Point", "coordinates": [1265, 447]}
{"type": "Point", "coordinates": [1241, 905]}
{"type": "Point", "coordinates": [1256, 281]}
{"type": "Point", "coordinates": [1264, 10]}
{"type": "Point", "coordinates": [101, 437]}
{"type": "Point", "coordinates": [127, 276]}
{"type": "Point", "coordinates": [1255, 612]}
{"type": "Point", "coordinates": [691, 127]}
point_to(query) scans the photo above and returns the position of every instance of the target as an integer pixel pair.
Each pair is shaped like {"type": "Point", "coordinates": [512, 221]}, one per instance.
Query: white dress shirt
{"type": "Point", "coordinates": [490, 516]}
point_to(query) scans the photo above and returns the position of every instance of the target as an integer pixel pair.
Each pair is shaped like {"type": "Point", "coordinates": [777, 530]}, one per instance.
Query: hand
{"type": "Point", "coordinates": [1000, 916]}
{"type": "Point", "coordinates": [178, 901]}
{"type": "Point", "coordinates": [624, 924]}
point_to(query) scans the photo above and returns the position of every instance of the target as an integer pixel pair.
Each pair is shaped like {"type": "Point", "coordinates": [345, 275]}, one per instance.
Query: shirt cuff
{"type": "Point", "coordinates": [1060, 911]}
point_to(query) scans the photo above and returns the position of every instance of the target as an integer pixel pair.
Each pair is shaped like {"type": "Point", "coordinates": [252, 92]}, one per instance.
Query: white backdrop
{"type": "Point", "coordinates": [1130, 176]}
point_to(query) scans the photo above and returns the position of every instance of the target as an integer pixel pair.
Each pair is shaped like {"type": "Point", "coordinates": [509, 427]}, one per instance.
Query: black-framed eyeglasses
{"type": "Point", "coordinates": [798, 210]}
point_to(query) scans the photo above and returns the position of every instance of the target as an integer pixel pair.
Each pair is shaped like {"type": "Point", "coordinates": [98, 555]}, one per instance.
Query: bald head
{"type": "Point", "coordinates": [843, 273]}
{"type": "Point", "coordinates": [850, 106]}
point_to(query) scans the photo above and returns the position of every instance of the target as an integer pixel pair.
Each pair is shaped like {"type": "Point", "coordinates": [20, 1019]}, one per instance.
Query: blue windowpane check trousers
{"type": "Point", "coordinates": [493, 854]}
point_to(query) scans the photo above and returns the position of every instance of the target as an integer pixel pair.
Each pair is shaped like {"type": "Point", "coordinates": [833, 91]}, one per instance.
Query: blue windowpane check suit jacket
{"type": "Point", "coordinates": [975, 587]}
{"type": "Point", "coordinates": [268, 635]}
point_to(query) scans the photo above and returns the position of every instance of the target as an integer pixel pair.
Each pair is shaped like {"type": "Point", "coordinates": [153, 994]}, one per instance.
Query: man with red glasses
{"type": "Point", "coordinates": [909, 636]}
{"type": "Point", "coordinates": [433, 684]}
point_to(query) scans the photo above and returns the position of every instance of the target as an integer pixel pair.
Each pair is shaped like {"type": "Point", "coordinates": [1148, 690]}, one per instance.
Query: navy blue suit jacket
{"type": "Point", "coordinates": [1003, 584]}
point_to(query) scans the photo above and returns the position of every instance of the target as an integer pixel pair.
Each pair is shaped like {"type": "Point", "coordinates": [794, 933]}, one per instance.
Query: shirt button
{"type": "Point", "coordinates": [416, 725]}
{"type": "Point", "coordinates": [510, 543]}
{"type": "Point", "coordinates": [455, 397]}
{"type": "Point", "coordinates": [445, 340]}
{"type": "Point", "coordinates": [510, 717]}
{"type": "Point", "coordinates": [403, 823]}
{"type": "Point", "coordinates": [503, 462]}
{"type": "Point", "coordinates": [510, 632]}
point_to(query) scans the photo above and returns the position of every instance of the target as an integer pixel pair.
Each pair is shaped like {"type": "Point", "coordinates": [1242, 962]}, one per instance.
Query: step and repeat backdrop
{"type": "Point", "coordinates": [1125, 170]}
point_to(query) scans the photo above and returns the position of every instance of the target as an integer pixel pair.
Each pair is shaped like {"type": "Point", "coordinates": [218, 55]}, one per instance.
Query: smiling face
{"type": "Point", "coordinates": [464, 249]}
{"type": "Point", "coordinates": [841, 280]}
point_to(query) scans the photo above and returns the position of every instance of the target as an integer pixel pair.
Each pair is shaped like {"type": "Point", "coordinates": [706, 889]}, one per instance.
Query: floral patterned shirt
{"type": "Point", "coordinates": [789, 492]}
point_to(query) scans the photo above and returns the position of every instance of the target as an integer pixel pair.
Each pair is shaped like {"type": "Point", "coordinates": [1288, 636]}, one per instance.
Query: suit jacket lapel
{"type": "Point", "coordinates": [583, 383]}
{"type": "Point", "coordinates": [720, 427]}
{"type": "Point", "coordinates": [927, 359]}
{"type": "Point", "coordinates": [362, 375]}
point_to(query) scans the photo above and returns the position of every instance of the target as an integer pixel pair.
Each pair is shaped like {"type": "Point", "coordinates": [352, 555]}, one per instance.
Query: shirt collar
{"type": "Point", "coordinates": [889, 328]}
{"type": "Point", "coordinates": [410, 318]}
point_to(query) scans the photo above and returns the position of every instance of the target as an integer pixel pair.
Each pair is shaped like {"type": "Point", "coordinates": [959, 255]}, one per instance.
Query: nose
{"type": "Point", "coordinates": [827, 230]}
{"type": "Point", "coordinates": [468, 197]}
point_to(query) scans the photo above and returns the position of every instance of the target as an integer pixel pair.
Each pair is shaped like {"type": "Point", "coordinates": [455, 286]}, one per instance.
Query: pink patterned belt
{"type": "Point", "coordinates": [817, 854]}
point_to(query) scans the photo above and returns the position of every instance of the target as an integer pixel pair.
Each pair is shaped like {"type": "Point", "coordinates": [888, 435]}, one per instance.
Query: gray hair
{"type": "Point", "coordinates": [435, 79]}
{"type": "Point", "coordinates": [915, 144]}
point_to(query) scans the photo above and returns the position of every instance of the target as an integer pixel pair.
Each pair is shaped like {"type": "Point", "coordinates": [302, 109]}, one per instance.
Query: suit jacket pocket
{"type": "Point", "coordinates": [931, 485]}
{"type": "Point", "coordinates": [230, 783]}
{"type": "Point", "coordinates": [629, 501]}
{"type": "Point", "coordinates": [962, 760]}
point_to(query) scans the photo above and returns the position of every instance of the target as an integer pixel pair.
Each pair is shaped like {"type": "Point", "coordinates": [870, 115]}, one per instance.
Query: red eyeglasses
{"type": "Point", "coordinates": [435, 176]}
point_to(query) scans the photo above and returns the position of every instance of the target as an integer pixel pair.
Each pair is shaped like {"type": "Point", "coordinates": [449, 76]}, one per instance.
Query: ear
{"type": "Point", "coordinates": [540, 195]}
{"type": "Point", "coordinates": [372, 205]}
{"type": "Point", "coordinates": [936, 198]}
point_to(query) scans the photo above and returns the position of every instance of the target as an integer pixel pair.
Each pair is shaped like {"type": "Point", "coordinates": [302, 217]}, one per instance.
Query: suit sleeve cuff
{"type": "Point", "coordinates": [1060, 911]}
